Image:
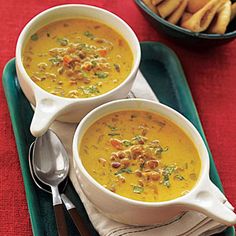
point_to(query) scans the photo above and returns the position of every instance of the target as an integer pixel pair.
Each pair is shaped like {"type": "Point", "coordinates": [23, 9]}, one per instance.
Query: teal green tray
{"type": "Point", "coordinates": [163, 71]}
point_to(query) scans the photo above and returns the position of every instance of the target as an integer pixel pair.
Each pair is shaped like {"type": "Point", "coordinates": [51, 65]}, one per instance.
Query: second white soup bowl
{"type": "Point", "coordinates": [205, 197]}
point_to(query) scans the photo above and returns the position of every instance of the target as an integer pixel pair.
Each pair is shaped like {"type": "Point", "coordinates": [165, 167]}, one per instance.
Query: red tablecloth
{"type": "Point", "coordinates": [211, 76]}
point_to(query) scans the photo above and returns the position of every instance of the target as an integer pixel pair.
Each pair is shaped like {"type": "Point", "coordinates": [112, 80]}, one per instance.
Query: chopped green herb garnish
{"type": "Point", "coordinates": [55, 60]}
{"type": "Point", "coordinates": [123, 170]}
{"type": "Point", "coordinates": [139, 139]}
{"type": "Point", "coordinates": [117, 67]}
{"type": "Point", "coordinates": [167, 171]}
{"type": "Point", "coordinates": [34, 37]}
{"type": "Point", "coordinates": [159, 150]}
{"type": "Point", "coordinates": [165, 149]}
{"type": "Point", "coordinates": [137, 189]}
{"type": "Point", "coordinates": [94, 63]}
{"type": "Point", "coordinates": [179, 177]}
{"type": "Point", "coordinates": [63, 41]}
{"type": "Point", "coordinates": [91, 90]}
{"type": "Point", "coordinates": [166, 181]}
{"type": "Point", "coordinates": [113, 128]}
{"type": "Point", "coordinates": [89, 34]}
{"type": "Point", "coordinates": [113, 134]}
{"type": "Point", "coordinates": [142, 166]}
{"type": "Point", "coordinates": [85, 75]}
{"type": "Point", "coordinates": [101, 75]}
{"type": "Point", "coordinates": [127, 143]}
{"type": "Point", "coordinates": [81, 46]}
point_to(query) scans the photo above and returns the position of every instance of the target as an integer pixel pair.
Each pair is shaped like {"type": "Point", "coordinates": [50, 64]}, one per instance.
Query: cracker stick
{"type": "Point", "coordinates": [167, 7]}
{"type": "Point", "coordinates": [200, 21]}
{"type": "Point", "coordinates": [156, 2]}
{"type": "Point", "coordinates": [185, 16]}
{"type": "Point", "coordinates": [221, 20]}
{"type": "Point", "coordinates": [148, 3]}
{"type": "Point", "coordinates": [233, 11]}
{"type": "Point", "coordinates": [196, 5]}
{"type": "Point", "coordinates": [176, 15]}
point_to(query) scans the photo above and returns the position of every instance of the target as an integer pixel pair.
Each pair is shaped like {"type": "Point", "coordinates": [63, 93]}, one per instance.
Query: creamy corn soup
{"type": "Point", "coordinates": [77, 58]}
{"type": "Point", "coordinates": [140, 155]}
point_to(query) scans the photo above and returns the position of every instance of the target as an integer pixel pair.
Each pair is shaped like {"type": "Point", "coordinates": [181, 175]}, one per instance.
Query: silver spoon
{"type": "Point", "coordinates": [40, 184]}
{"type": "Point", "coordinates": [51, 166]}
{"type": "Point", "coordinates": [82, 228]}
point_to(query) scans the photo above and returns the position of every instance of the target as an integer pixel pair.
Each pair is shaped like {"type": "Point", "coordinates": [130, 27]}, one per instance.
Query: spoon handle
{"type": "Point", "coordinates": [59, 212]}
{"type": "Point", "coordinates": [78, 221]}
{"type": "Point", "coordinates": [60, 220]}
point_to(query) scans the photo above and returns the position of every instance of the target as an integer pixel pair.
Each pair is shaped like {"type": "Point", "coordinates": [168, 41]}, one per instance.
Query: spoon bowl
{"type": "Point", "coordinates": [50, 159]}
{"type": "Point", "coordinates": [40, 184]}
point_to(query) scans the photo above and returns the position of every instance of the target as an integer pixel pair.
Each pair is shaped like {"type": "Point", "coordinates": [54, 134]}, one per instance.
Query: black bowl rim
{"type": "Point", "coordinates": [142, 5]}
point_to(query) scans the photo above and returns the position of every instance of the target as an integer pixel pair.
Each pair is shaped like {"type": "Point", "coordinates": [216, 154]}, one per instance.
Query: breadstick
{"type": "Point", "coordinates": [176, 15]}
{"type": "Point", "coordinates": [196, 5]}
{"type": "Point", "coordinates": [185, 16]}
{"type": "Point", "coordinates": [200, 21]}
{"type": "Point", "coordinates": [167, 7]}
{"type": "Point", "coordinates": [221, 20]}
{"type": "Point", "coordinates": [233, 11]}
{"type": "Point", "coordinates": [156, 2]}
{"type": "Point", "coordinates": [148, 3]}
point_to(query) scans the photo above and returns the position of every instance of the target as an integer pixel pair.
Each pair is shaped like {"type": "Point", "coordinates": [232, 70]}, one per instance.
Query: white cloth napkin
{"type": "Point", "coordinates": [191, 223]}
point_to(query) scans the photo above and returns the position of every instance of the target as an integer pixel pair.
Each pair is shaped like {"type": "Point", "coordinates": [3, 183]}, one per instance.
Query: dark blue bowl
{"type": "Point", "coordinates": [186, 36]}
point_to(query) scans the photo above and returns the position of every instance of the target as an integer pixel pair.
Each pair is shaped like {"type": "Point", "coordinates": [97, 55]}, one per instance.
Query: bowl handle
{"type": "Point", "coordinates": [211, 201]}
{"type": "Point", "coordinates": [46, 111]}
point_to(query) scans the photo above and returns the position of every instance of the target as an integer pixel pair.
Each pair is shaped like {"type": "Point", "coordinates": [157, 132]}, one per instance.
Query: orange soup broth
{"type": "Point", "coordinates": [77, 58]}
{"type": "Point", "coordinates": [178, 160]}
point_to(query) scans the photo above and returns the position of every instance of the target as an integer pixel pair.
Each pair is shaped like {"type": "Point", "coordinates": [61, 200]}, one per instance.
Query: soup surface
{"type": "Point", "coordinates": [140, 155]}
{"type": "Point", "coordinates": [77, 58]}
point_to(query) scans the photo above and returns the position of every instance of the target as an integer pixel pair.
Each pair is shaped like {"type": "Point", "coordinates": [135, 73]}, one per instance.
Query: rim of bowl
{"type": "Point", "coordinates": [228, 35]}
{"type": "Point", "coordinates": [21, 39]}
{"type": "Point", "coordinates": [203, 171]}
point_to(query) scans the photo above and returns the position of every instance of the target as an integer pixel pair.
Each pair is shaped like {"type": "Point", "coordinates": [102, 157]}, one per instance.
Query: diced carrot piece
{"type": "Point", "coordinates": [67, 59]}
{"type": "Point", "coordinates": [116, 144]}
{"type": "Point", "coordinates": [102, 52]}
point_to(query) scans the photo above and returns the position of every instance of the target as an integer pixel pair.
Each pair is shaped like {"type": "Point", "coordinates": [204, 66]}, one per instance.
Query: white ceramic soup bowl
{"type": "Point", "coordinates": [205, 197]}
{"type": "Point", "coordinates": [49, 107]}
